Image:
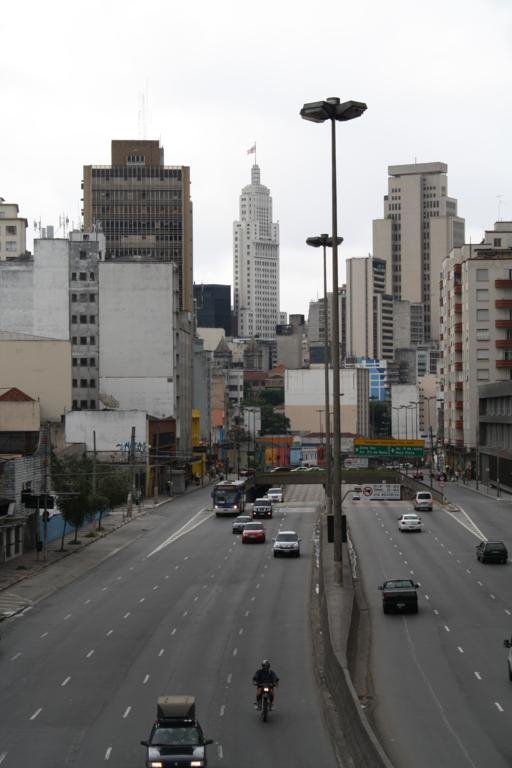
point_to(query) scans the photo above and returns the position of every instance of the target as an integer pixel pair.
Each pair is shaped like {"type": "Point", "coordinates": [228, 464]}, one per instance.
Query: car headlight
{"type": "Point", "coordinates": [156, 764]}
{"type": "Point", "coordinates": [197, 763]}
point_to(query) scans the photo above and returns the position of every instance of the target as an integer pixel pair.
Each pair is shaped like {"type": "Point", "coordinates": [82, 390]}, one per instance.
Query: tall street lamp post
{"type": "Point", "coordinates": [326, 242]}
{"type": "Point", "coordinates": [319, 112]}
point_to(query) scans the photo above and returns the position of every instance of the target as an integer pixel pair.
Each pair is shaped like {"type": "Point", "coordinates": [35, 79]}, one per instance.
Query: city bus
{"type": "Point", "coordinates": [229, 497]}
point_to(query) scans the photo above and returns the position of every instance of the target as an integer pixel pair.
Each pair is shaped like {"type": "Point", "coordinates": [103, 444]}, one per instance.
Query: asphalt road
{"type": "Point", "coordinates": [442, 694]}
{"type": "Point", "coordinates": [175, 605]}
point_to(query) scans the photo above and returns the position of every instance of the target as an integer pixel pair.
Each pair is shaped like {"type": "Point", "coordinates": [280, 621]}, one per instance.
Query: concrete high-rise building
{"type": "Point", "coordinates": [476, 311]}
{"type": "Point", "coordinates": [256, 262]}
{"type": "Point", "coordinates": [213, 306]}
{"type": "Point", "coordinates": [369, 310]}
{"type": "Point", "coordinates": [419, 229]}
{"type": "Point", "coordinates": [143, 208]}
{"type": "Point", "coordinates": [12, 231]}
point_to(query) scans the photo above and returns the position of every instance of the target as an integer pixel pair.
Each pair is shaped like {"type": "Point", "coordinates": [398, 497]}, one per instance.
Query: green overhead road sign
{"type": "Point", "coordinates": [405, 451]}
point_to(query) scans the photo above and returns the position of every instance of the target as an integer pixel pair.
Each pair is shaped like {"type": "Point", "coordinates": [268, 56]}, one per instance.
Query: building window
{"type": "Point", "coordinates": [10, 245]}
{"type": "Point", "coordinates": [75, 382]}
{"type": "Point", "coordinates": [83, 383]}
{"type": "Point", "coordinates": [83, 339]}
{"type": "Point", "coordinates": [92, 339]}
{"type": "Point", "coordinates": [92, 318]}
{"type": "Point", "coordinates": [496, 242]}
{"type": "Point", "coordinates": [92, 297]}
{"type": "Point", "coordinates": [83, 404]}
{"type": "Point", "coordinates": [10, 229]}
{"type": "Point", "coordinates": [482, 314]}
{"type": "Point", "coordinates": [74, 362]}
{"type": "Point", "coordinates": [482, 334]}
{"type": "Point", "coordinates": [73, 275]}
{"type": "Point", "coordinates": [482, 275]}
{"type": "Point", "coordinates": [83, 318]}
{"type": "Point", "coordinates": [482, 374]}
{"type": "Point", "coordinates": [74, 339]}
{"type": "Point", "coordinates": [91, 276]}
{"type": "Point", "coordinates": [74, 318]}
{"type": "Point", "coordinates": [92, 383]}
{"type": "Point", "coordinates": [83, 255]}
{"type": "Point", "coordinates": [73, 296]}
{"type": "Point", "coordinates": [92, 361]}
{"type": "Point", "coordinates": [75, 405]}
{"type": "Point", "coordinates": [92, 405]}
{"type": "Point", "coordinates": [83, 275]}
{"type": "Point", "coordinates": [83, 362]}
{"type": "Point", "coordinates": [482, 294]}
{"type": "Point", "coordinates": [482, 354]}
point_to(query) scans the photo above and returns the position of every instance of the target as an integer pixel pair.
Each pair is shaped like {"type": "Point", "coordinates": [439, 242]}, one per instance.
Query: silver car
{"type": "Point", "coordinates": [287, 543]}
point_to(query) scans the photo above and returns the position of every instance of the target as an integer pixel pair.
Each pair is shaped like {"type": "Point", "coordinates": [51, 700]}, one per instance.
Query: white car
{"type": "Point", "coordinates": [423, 501]}
{"type": "Point", "coordinates": [410, 522]}
{"type": "Point", "coordinates": [287, 543]}
{"type": "Point", "coordinates": [275, 495]}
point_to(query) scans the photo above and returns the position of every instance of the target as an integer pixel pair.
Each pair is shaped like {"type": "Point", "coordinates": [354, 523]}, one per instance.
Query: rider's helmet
{"type": "Point", "coordinates": [265, 664]}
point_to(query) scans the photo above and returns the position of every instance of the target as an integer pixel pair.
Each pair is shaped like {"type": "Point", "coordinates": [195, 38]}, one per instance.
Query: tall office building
{"type": "Point", "coordinates": [143, 208]}
{"type": "Point", "coordinates": [369, 310]}
{"type": "Point", "coordinates": [256, 262]}
{"type": "Point", "coordinates": [419, 229]}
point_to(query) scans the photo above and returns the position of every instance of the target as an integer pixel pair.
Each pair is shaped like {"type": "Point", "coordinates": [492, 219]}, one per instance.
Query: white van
{"type": "Point", "coordinates": [423, 501]}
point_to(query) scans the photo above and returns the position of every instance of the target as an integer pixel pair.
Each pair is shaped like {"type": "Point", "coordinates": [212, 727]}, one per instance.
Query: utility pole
{"type": "Point", "coordinates": [94, 463]}
{"type": "Point", "coordinates": [45, 491]}
{"type": "Point", "coordinates": [131, 459]}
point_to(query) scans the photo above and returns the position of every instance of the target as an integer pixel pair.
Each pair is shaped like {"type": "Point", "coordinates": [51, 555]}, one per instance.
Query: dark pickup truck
{"type": "Point", "coordinates": [399, 595]}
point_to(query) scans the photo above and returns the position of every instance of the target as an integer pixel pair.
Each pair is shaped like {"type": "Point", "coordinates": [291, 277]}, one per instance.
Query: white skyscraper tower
{"type": "Point", "coordinates": [256, 262]}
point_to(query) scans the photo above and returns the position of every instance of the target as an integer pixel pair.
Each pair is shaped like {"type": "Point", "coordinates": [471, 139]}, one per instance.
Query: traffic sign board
{"type": "Point", "coordinates": [400, 449]}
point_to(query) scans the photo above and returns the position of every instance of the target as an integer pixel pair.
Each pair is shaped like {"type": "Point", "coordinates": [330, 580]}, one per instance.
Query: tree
{"type": "Point", "coordinates": [273, 423]}
{"type": "Point", "coordinates": [113, 486]}
{"type": "Point", "coordinates": [72, 481]}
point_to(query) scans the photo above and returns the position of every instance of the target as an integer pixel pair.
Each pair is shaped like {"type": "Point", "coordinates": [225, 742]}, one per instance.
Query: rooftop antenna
{"type": "Point", "coordinates": [500, 203]}
{"type": "Point", "coordinates": [142, 115]}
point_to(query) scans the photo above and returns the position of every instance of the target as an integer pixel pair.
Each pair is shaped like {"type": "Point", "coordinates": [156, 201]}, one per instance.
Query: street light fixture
{"type": "Point", "coordinates": [325, 241]}
{"type": "Point", "coordinates": [319, 112]}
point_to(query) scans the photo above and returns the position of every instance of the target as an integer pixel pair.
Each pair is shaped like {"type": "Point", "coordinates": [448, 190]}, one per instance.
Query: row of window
{"type": "Point", "coordinates": [84, 383]}
{"type": "Point", "coordinates": [91, 297]}
{"type": "Point", "coordinates": [84, 362]}
{"type": "Point", "coordinates": [84, 405]}
{"type": "Point", "coordinates": [83, 340]}
{"type": "Point", "coordinates": [10, 245]}
{"type": "Point", "coordinates": [76, 319]}
{"type": "Point", "coordinates": [125, 172]}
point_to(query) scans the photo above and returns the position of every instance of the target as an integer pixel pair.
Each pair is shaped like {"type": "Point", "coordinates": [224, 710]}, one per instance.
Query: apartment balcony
{"type": "Point", "coordinates": [459, 405]}
{"type": "Point", "coordinates": [459, 385]}
{"type": "Point", "coordinates": [503, 343]}
{"type": "Point", "coordinates": [457, 289]}
{"type": "Point", "coordinates": [503, 363]}
{"type": "Point", "coordinates": [459, 443]}
{"type": "Point", "coordinates": [458, 366]}
{"type": "Point", "coordinates": [458, 346]}
{"type": "Point", "coordinates": [457, 308]}
{"type": "Point", "coordinates": [503, 283]}
{"type": "Point", "coordinates": [503, 323]}
{"type": "Point", "coordinates": [457, 269]}
{"type": "Point", "coordinates": [459, 424]}
{"type": "Point", "coordinates": [503, 303]}
{"type": "Point", "coordinates": [457, 327]}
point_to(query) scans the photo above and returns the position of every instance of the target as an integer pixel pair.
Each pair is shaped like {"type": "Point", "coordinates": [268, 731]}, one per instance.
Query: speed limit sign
{"type": "Point", "coordinates": [368, 490]}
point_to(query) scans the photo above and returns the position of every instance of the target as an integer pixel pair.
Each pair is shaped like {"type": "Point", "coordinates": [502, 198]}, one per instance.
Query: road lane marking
{"type": "Point", "coordinates": [161, 652]}
{"type": "Point", "coordinates": [189, 526]}
{"type": "Point", "coordinates": [36, 713]}
{"type": "Point", "coordinates": [478, 675]}
{"type": "Point", "coordinates": [460, 650]}
{"type": "Point", "coordinates": [498, 706]}
{"type": "Point", "coordinates": [185, 613]}
{"type": "Point", "coordinates": [16, 656]}
{"type": "Point", "coordinates": [127, 712]}
{"type": "Point", "coordinates": [507, 611]}
{"type": "Point", "coordinates": [145, 680]}
{"type": "Point", "coordinates": [3, 755]}
{"type": "Point", "coordinates": [447, 628]}
{"type": "Point", "coordinates": [220, 753]}
{"type": "Point", "coordinates": [492, 596]}
{"type": "Point", "coordinates": [229, 678]}
{"type": "Point", "coordinates": [467, 570]}
{"type": "Point", "coordinates": [479, 583]}
{"type": "Point", "coordinates": [65, 682]}
{"type": "Point", "coordinates": [241, 631]}
{"type": "Point", "coordinates": [174, 631]}
{"type": "Point", "coordinates": [108, 753]}
{"type": "Point", "coordinates": [87, 601]}
{"type": "Point", "coordinates": [110, 632]}
{"type": "Point", "coordinates": [196, 598]}
{"type": "Point", "coordinates": [142, 599]}
{"type": "Point", "coordinates": [44, 634]}
{"type": "Point", "coordinates": [235, 651]}
{"type": "Point", "coordinates": [104, 589]}
{"type": "Point", "coordinates": [67, 617]}
{"type": "Point", "coordinates": [436, 612]}
{"type": "Point", "coordinates": [427, 597]}
{"type": "Point", "coordinates": [222, 710]}
{"type": "Point", "coordinates": [156, 586]}
{"type": "Point", "coordinates": [88, 655]}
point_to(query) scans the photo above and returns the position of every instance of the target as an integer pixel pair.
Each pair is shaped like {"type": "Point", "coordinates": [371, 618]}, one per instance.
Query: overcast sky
{"type": "Point", "coordinates": [218, 76]}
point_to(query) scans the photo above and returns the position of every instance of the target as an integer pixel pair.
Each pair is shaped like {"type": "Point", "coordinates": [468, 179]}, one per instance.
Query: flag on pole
{"type": "Point", "coordinates": [252, 150]}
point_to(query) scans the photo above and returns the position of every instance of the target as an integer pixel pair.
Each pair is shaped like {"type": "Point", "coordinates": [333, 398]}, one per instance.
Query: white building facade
{"type": "Point", "coordinates": [256, 262]}
{"type": "Point", "coordinates": [12, 231]}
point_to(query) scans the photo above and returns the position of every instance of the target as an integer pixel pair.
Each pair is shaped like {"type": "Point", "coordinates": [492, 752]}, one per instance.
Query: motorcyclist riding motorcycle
{"type": "Point", "coordinates": [264, 676]}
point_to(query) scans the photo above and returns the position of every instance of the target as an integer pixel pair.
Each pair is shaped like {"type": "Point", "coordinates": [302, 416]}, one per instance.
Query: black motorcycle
{"type": "Point", "coordinates": [265, 703]}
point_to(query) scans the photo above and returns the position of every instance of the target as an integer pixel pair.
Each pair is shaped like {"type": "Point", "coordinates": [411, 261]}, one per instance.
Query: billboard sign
{"type": "Point", "coordinates": [355, 462]}
{"type": "Point", "coordinates": [393, 448]}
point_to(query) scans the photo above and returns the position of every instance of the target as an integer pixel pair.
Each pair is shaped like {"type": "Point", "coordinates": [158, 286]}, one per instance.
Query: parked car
{"type": "Point", "coordinates": [240, 522]}
{"type": "Point", "coordinates": [300, 469]}
{"type": "Point", "coordinates": [410, 522]}
{"type": "Point", "coordinates": [492, 552]}
{"type": "Point", "coordinates": [253, 533]}
{"type": "Point", "coordinates": [280, 469]}
{"type": "Point", "coordinates": [287, 543]}
{"type": "Point", "coordinates": [423, 501]}
{"type": "Point", "coordinates": [262, 508]}
{"type": "Point", "coordinates": [275, 495]}
{"type": "Point", "coordinates": [417, 475]}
